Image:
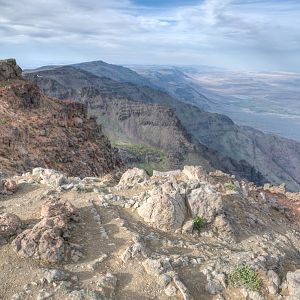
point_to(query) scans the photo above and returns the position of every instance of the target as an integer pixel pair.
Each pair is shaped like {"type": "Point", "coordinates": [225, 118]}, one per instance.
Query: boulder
{"type": "Point", "coordinates": [48, 239]}
{"type": "Point", "coordinates": [9, 70]}
{"type": "Point", "coordinates": [45, 241]}
{"type": "Point", "coordinates": [50, 177]}
{"type": "Point", "coordinates": [205, 202]}
{"type": "Point", "coordinates": [164, 211]}
{"type": "Point", "coordinates": [194, 173]}
{"type": "Point", "coordinates": [133, 177]}
{"type": "Point", "coordinates": [9, 225]}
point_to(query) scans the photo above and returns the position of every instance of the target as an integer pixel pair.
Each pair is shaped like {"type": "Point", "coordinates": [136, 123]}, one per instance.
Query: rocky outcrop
{"type": "Point", "coordinates": [48, 239]}
{"type": "Point", "coordinates": [37, 131]}
{"type": "Point", "coordinates": [9, 70]}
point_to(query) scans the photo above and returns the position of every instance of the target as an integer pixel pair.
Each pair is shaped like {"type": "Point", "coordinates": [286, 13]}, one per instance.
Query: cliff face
{"type": "Point", "coordinates": [131, 114]}
{"type": "Point", "coordinates": [39, 131]}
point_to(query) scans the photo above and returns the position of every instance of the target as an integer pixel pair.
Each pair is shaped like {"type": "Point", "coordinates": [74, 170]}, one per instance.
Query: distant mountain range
{"type": "Point", "coordinates": [267, 101]}
{"type": "Point", "coordinates": [156, 123]}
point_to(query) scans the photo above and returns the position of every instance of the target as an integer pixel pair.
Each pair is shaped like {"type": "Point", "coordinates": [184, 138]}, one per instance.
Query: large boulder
{"type": "Point", "coordinates": [133, 177]}
{"type": "Point", "coordinates": [165, 211]}
{"type": "Point", "coordinates": [205, 202]}
{"type": "Point", "coordinates": [48, 239]}
{"type": "Point", "coordinates": [9, 225]}
{"type": "Point", "coordinates": [9, 70]}
{"type": "Point", "coordinates": [45, 241]}
{"type": "Point", "coordinates": [50, 177]}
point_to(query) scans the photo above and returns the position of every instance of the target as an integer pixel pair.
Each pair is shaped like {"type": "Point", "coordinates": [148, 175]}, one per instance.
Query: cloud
{"type": "Point", "coordinates": [230, 33]}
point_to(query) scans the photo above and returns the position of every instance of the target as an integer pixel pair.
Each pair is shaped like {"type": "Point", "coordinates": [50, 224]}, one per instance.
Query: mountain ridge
{"type": "Point", "coordinates": [217, 132]}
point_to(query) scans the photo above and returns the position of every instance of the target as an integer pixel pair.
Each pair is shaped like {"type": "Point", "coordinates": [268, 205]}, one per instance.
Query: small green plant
{"type": "Point", "coordinates": [230, 186]}
{"type": "Point", "coordinates": [244, 276]}
{"type": "Point", "coordinates": [199, 223]}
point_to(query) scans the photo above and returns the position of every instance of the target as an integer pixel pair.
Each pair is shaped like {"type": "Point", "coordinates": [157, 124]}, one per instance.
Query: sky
{"type": "Point", "coordinates": [254, 35]}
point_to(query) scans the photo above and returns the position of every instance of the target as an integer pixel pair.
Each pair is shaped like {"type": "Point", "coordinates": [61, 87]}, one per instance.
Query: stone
{"type": "Point", "coordinates": [54, 206]}
{"type": "Point", "coordinates": [10, 186]}
{"type": "Point", "coordinates": [44, 241]}
{"type": "Point", "coordinates": [9, 225]}
{"type": "Point", "coordinates": [48, 239]}
{"type": "Point", "coordinates": [133, 177]}
{"type": "Point", "coordinates": [182, 288]}
{"type": "Point", "coordinates": [194, 173]}
{"type": "Point", "coordinates": [54, 275]}
{"type": "Point", "coordinates": [293, 284]}
{"type": "Point", "coordinates": [96, 263]}
{"type": "Point", "coordinates": [157, 266]}
{"type": "Point", "coordinates": [188, 226]}
{"type": "Point", "coordinates": [205, 202]}
{"type": "Point", "coordinates": [167, 174]}
{"type": "Point", "coordinates": [171, 290]}
{"type": "Point", "coordinates": [273, 282]}
{"type": "Point", "coordinates": [164, 211]}
{"type": "Point", "coordinates": [50, 177]}
{"type": "Point", "coordinates": [9, 70]}
{"type": "Point", "coordinates": [216, 284]}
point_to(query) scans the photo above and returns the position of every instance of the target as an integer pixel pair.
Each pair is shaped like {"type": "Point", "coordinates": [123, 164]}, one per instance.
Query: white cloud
{"type": "Point", "coordinates": [231, 33]}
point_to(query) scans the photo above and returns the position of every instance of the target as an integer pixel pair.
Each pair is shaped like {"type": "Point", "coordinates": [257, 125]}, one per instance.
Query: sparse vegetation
{"type": "Point", "coordinates": [199, 223]}
{"type": "Point", "coordinates": [230, 186]}
{"type": "Point", "coordinates": [244, 276]}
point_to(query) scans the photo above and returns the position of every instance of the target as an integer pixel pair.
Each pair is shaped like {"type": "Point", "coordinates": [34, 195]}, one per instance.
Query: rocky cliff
{"type": "Point", "coordinates": [40, 131]}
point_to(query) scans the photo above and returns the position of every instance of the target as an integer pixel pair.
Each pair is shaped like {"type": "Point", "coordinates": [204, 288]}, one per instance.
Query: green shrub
{"type": "Point", "coordinates": [199, 223]}
{"type": "Point", "coordinates": [230, 186]}
{"type": "Point", "coordinates": [244, 276]}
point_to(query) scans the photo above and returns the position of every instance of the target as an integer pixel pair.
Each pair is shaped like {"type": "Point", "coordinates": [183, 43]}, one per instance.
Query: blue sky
{"type": "Point", "coordinates": [234, 34]}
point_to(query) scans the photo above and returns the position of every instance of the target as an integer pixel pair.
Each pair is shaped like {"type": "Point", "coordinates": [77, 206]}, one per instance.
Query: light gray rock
{"type": "Point", "coordinates": [164, 211]}
{"type": "Point", "coordinates": [188, 226]}
{"type": "Point", "coordinates": [293, 284]}
{"type": "Point", "coordinates": [216, 284]}
{"type": "Point", "coordinates": [194, 173]}
{"type": "Point", "coordinates": [133, 177]}
{"type": "Point", "coordinates": [50, 177]}
{"type": "Point", "coordinates": [273, 282]}
{"type": "Point", "coordinates": [171, 290]}
{"type": "Point", "coordinates": [166, 174]}
{"type": "Point", "coordinates": [205, 202]}
{"type": "Point", "coordinates": [55, 275]}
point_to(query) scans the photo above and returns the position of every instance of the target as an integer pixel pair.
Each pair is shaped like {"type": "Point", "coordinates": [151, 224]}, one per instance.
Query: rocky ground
{"type": "Point", "coordinates": [183, 234]}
